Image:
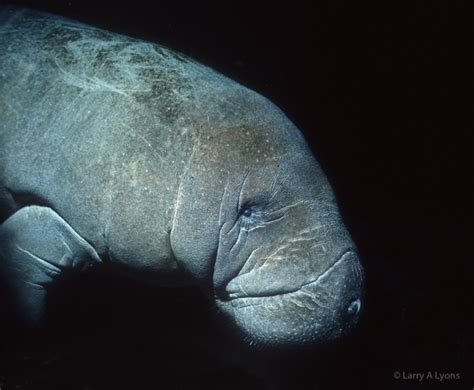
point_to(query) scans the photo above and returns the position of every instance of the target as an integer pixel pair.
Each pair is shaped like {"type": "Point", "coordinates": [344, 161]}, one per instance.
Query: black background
{"type": "Point", "coordinates": [380, 93]}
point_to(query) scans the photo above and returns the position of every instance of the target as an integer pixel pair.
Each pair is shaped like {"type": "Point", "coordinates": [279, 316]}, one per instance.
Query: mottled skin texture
{"type": "Point", "coordinates": [169, 171]}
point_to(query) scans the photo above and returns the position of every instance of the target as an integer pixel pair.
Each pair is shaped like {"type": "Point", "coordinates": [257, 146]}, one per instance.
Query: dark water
{"type": "Point", "coordinates": [379, 93]}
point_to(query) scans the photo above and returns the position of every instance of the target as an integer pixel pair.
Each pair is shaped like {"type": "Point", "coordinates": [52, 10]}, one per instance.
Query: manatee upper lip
{"type": "Point", "coordinates": [241, 293]}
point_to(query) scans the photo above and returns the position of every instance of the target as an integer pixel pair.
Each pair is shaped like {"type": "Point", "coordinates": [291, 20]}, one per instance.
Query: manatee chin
{"type": "Point", "coordinates": [321, 310]}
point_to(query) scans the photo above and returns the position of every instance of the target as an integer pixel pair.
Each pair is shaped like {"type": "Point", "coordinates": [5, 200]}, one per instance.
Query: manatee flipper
{"type": "Point", "coordinates": [37, 247]}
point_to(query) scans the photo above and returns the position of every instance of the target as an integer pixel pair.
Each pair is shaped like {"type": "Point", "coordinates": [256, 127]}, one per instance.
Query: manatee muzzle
{"type": "Point", "coordinates": [324, 308]}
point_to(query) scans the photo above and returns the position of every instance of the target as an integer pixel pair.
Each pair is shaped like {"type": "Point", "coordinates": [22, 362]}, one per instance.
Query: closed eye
{"type": "Point", "coordinates": [254, 217]}
{"type": "Point", "coordinates": [249, 216]}
{"type": "Point", "coordinates": [247, 213]}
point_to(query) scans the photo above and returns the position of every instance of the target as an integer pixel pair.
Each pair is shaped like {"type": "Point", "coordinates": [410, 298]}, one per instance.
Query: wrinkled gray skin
{"type": "Point", "coordinates": [117, 150]}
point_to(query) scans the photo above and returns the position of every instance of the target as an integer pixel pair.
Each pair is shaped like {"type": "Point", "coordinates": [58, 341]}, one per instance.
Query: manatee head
{"type": "Point", "coordinates": [257, 224]}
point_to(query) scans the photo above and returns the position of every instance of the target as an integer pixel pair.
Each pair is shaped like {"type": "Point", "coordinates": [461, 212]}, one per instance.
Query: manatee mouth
{"type": "Point", "coordinates": [240, 293]}
{"type": "Point", "coordinates": [323, 309]}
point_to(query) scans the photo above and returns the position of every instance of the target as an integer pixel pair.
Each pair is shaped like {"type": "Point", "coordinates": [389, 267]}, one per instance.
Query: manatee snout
{"type": "Point", "coordinates": [323, 309]}
{"type": "Point", "coordinates": [340, 289]}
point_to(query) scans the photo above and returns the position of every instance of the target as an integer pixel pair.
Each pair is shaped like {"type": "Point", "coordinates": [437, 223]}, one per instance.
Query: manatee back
{"type": "Point", "coordinates": [101, 126]}
{"type": "Point", "coordinates": [98, 126]}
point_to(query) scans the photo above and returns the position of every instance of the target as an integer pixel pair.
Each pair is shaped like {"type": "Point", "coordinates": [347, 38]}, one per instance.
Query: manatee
{"type": "Point", "coordinates": [122, 153]}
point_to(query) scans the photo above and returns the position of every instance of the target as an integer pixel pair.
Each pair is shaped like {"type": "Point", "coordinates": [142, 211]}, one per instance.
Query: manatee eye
{"type": "Point", "coordinates": [247, 213]}
{"type": "Point", "coordinates": [251, 216]}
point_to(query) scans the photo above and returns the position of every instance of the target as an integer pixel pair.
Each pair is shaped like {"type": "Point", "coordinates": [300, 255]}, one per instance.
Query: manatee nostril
{"type": "Point", "coordinates": [354, 307]}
